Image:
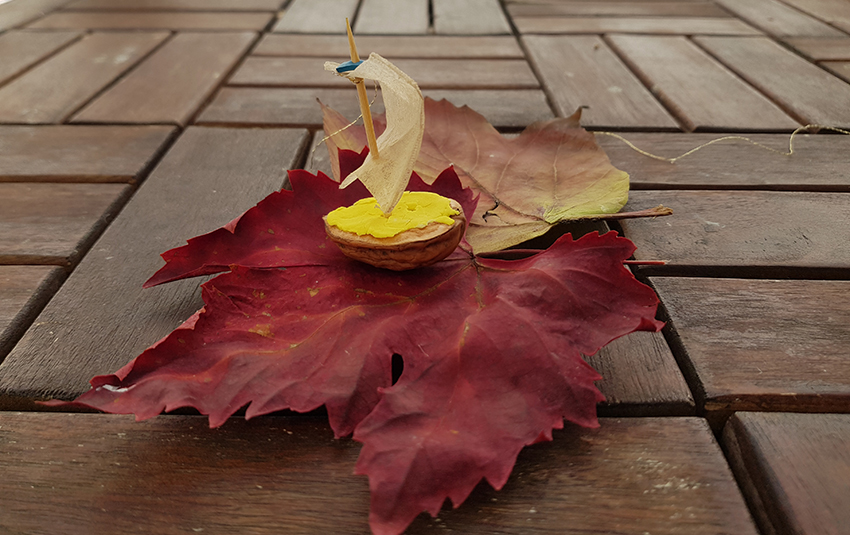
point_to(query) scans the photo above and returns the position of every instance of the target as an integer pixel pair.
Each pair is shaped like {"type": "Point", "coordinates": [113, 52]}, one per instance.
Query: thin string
{"type": "Point", "coordinates": [790, 151]}
{"type": "Point", "coordinates": [346, 127]}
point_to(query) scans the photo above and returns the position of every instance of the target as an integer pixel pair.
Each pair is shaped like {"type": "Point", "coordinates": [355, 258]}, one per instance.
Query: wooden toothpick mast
{"type": "Point", "coordinates": [364, 99]}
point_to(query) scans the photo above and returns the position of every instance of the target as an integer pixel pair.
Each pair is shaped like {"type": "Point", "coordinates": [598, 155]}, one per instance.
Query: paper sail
{"type": "Point", "coordinates": [386, 176]}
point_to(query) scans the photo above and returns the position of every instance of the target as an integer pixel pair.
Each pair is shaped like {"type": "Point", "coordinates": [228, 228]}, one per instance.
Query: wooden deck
{"type": "Point", "coordinates": [128, 126]}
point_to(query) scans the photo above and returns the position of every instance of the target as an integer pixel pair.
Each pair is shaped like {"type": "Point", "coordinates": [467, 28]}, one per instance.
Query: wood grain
{"type": "Point", "coordinates": [619, 8]}
{"type": "Point", "coordinates": [779, 19]}
{"type": "Point", "coordinates": [84, 69]}
{"type": "Point", "coordinates": [391, 46]}
{"type": "Point", "coordinates": [79, 153]}
{"type": "Point", "coordinates": [14, 14]}
{"type": "Point", "coordinates": [797, 468]}
{"type": "Point", "coordinates": [582, 71]}
{"type": "Point", "coordinates": [662, 475]}
{"type": "Point", "coordinates": [777, 345]}
{"type": "Point", "coordinates": [154, 20]}
{"type": "Point", "coordinates": [428, 73]}
{"type": "Point", "coordinates": [697, 89]}
{"type": "Point", "coordinates": [655, 25]}
{"type": "Point", "coordinates": [101, 318]}
{"type": "Point", "coordinates": [176, 5]}
{"type": "Point", "coordinates": [822, 49]}
{"type": "Point", "coordinates": [818, 162]}
{"type": "Point", "coordinates": [311, 16]}
{"type": "Point", "coordinates": [392, 17]}
{"type": "Point", "coordinates": [20, 50]}
{"type": "Point", "coordinates": [836, 12]}
{"type": "Point", "coordinates": [839, 68]}
{"type": "Point", "coordinates": [810, 94]}
{"type": "Point", "coordinates": [54, 223]}
{"type": "Point", "coordinates": [173, 83]}
{"type": "Point", "coordinates": [471, 17]}
{"type": "Point", "coordinates": [23, 292]}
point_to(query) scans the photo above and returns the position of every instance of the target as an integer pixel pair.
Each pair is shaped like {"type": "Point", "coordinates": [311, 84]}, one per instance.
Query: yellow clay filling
{"type": "Point", "coordinates": [415, 210]}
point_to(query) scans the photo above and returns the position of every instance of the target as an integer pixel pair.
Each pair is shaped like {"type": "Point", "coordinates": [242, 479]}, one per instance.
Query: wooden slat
{"type": "Point", "coordinates": [16, 13]}
{"type": "Point", "coordinates": [23, 292]}
{"type": "Point", "coordinates": [762, 344]}
{"type": "Point", "coordinates": [79, 153]}
{"type": "Point", "coordinates": [311, 16]}
{"type": "Point", "coordinates": [778, 19]}
{"type": "Point", "coordinates": [582, 71]}
{"type": "Point", "coordinates": [173, 83]}
{"type": "Point", "coordinates": [809, 93]}
{"type": "Point", "coordinates": [176, 5]}
{"type": "Point", "coordinates": [839, 68]}
{"type": "Point", "coordinates": [54, 223]}
{"type": "Point", "coordinates": [654, 25]}
{"type": "Point", "coordinates": [822, 49]}
{"type": "Point", "coordinates": [428, 73]}
{"type": "Point", "coordinates": [795, 469]}
{"type": "Point", "coordinates": [154, 20]}
{"type": "Point", "coordinates": [101, 318]}
{"type": "Point", "coordinates": [392, 17]}
{"type": "Point", "coordinates": [743, 232]}
{"type": "Point", "coordinates": [836, 12]}
{"type": "Point", "coordinates": [471, 17]}
{"type": "Point", "coordinates": [702, 93]}
{"type": "Point", "coordinates": [818, 164]}
{"type": "Point", "coordinates": [660, 475]}
{"type": "Point", "coordinates": [623, 8]}
{"type": "Point", "coordinates": [20, 50]}
{"type": "Point", "coordinates": [56, 88]}
{"type": "Point", "coordinates": [412, 46]}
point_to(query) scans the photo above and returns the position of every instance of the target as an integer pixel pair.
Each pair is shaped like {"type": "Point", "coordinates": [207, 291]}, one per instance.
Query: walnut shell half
{"type": "Point", "coordinates": [411, 249]}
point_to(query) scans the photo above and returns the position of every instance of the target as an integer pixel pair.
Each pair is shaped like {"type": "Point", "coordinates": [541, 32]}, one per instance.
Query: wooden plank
{"type": "Point", "coordinates": [839, 68]}
{"type": "Point", "coordinates": [582, 71]}
{"type": "Point", "coordinates": [154, 20]}
{"type": "Point", "coordinates": [627, 8]}
{"type": "Point", "coordinates": [101, 318]}
{"type": "Point", "coordinates": [702, 93]}
{"type": "Point", "coordinates": [809, 94]}
{"type": "Point", "coordinates": [796, 469]}
{"type": "Point", "coordinates": [398, 17]}
{"type": "Point", "coordinates": [428, 73]}
{"type": "Point", "coordinates": [836, 12]}
{"type": "Point", "coordinates": [54, 223]}
{"type": "Point", "coordinates": [778, 19]}
{"type": "Point", "coordinates": [412, 46]}
{"type": "Point", "coordinates": [84, 69]}
{"type": "Point", "coordinates": [740, 232]}
{"type": "Point", "coordinates": [16, 13]}
{"type": "Point", "coordinates": [818, 163]}
{"type": "Point", "coordinates": [298, 107]}
{"type": "Point", "coordinates": [822, 49]}
{"type": "Point", "coordinates": [662, 475]}
{"type": "Point", "coordinates": [176, 5]}
{"type": "Point", "coordinates": [79, 153]}
{"type": "Point", "coordinates": [311, 16]}
{"type": "Point", "coordinates": [653, 25]}
{"type": "Point", "coordinates": [173, 83]}
{"type": "Point", "coordinates": [778, 345]}
{"type": "Point", "coordinates": [472, 17]}
{"type": "Point", "coordinates": [20, 50]}
{"type": "Point", "coordinates": [24, 290]}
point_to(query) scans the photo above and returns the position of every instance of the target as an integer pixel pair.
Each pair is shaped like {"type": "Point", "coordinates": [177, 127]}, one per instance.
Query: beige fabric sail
{"type": "Point", "coordinates": [386, 176]}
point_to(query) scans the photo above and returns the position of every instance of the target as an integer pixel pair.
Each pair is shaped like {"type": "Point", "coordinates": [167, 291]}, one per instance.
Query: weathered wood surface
{"type": "Point", "coordinates": [23, 292]}
{"type": "Point", "coordinates": [173, 83]}
{"type": "Point", "coordinates": [836, 12]}
{"type": "Point", "coordinates": [176, 5]}
{"type": "Point", "coordinates": [583, 71]}
{"type": "Point", "coordinates": [101, 318]}
{"type": "Point", "coordinates": [471, 17]}
{"type": "Point", "coordinates": [79, 153]}
{"type": "Point", "coordinates": [84, 68]}
{"type": "Point", "coordinates": [839, 68]}
{"type": "Point", "coordinates": [619, 8]}
{"type": "Point", "coordinates": [809, 93]}
{"type": "Point", "coordinates": [762, 344]}
{"type": "Point", "coordinates": [19, 50]}
{"type": "Point", "coordinates": [696, 88]}
{"type": "Point", "coordinates": [778, 19]}
{"type": "Point", "coordinates": [428, 73]}
{"type": "Point", "coordinates": [795, 469]}
{"type": "Point", "coordinates": [402, 17]}
{"type": "Point", "coordinates": [822, 49]}
{"type": "Point", "coordinates": [819, 162]}
{"type": "Point", "coordinates": [311, 16]}
{"type": "Point", "coordinates": [656, 25]}
{"type": "Point", "coordinates": [154, 20]}
{"type": "Point", "coordinates": [286, 474]}
{"type": "Point", "coordinates": [391, 46]}
{"type": "Point", "coordinates": [14, 14]}
{"type": "Point", "coordinates": [54, 223]}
